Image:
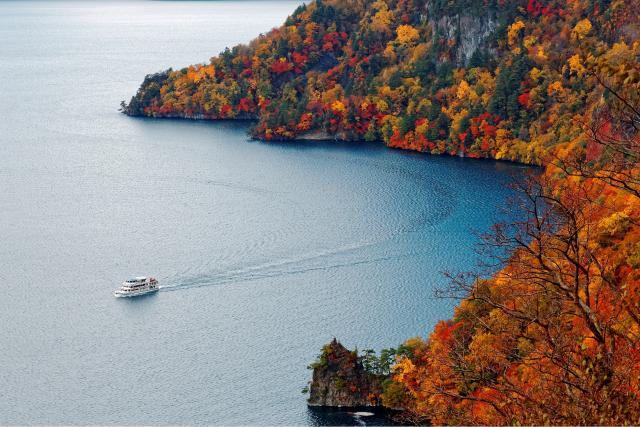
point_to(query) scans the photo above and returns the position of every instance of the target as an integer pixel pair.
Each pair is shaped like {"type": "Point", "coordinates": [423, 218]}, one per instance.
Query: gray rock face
{"type": "Point", "coordinates": [470, 31]}
{"type": "Point", "coordinates": [340, 380]}
{"type": "Point", "coordinates": [476, 31]}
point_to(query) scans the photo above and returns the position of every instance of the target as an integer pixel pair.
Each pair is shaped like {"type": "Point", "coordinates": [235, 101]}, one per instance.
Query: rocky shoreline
{"type": "Point", "coordinates": [358, 384]}
{"type": "Point", "coordinates": [340, 380]}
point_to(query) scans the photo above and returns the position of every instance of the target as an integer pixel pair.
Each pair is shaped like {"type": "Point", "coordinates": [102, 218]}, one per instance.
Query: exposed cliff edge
{"type": "Point", "coordinates": [472, 28]}
{"type": "Point", "coordinates": [341, 380]}
{"type": "Point", "coordinates": [362, 382]}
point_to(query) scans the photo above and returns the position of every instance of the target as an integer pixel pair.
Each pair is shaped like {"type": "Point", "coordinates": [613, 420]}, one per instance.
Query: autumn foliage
{"type": "Point", "coordinates": [554, 336]}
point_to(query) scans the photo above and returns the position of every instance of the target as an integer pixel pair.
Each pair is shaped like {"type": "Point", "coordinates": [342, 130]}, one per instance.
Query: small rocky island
{"type": "Point", "coordinates": [340, 379]}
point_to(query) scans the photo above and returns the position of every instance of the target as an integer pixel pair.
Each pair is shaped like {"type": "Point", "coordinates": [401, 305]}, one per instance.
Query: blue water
{"type": "Point", "coordinates": [264, 251]}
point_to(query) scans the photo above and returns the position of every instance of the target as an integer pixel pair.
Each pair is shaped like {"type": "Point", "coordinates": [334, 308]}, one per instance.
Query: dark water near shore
{"type": "Point", "coordinates": [264, 251]}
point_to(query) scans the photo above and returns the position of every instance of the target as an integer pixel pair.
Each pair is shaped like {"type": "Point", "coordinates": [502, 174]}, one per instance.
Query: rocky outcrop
{"type": "Point", "coordinates": [340, 379]}
{"type": "Point", "coordinates": [470, 31]}
{"type": "Point", "coordinates": [316, 135]}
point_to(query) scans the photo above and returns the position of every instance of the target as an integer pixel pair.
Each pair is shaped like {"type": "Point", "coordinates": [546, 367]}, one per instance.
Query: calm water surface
{"type": "Point", "coordinates": [265, 251]}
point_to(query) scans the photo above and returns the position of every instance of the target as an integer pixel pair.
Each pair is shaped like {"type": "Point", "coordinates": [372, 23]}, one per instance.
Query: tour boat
{"type": "Point", "coordinates": [137, 286]}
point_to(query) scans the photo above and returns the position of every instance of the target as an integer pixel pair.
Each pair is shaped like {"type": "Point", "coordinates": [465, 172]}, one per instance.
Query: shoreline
{"type": "Point", "coordinates": [323, 136]}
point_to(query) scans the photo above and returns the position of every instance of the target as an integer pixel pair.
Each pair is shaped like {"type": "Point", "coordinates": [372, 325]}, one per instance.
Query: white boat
{"type": "Point", "coordinates": [136, 286]}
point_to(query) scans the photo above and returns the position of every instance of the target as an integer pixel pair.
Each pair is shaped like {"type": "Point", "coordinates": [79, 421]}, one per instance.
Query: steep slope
{"type": "Point", "coordinates": [436, 76]}
{"type": "Point", "coordinates": [341, 379]}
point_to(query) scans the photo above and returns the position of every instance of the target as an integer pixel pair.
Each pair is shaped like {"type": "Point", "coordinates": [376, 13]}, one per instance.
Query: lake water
{"type": "Point", "coordinates": [264, 251]}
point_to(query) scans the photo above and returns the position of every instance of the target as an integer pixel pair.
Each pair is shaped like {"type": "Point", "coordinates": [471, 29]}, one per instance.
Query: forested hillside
{"type": "Point", "coordinates": [554, 336]}
{"type": "Point", "coordinates": [481, 78]}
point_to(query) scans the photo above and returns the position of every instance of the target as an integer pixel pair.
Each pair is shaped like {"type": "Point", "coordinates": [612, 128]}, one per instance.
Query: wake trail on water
{"type": "Point", "coordinates": [323, 260]}
{"type": "Point", "coordinates": [343, 257]}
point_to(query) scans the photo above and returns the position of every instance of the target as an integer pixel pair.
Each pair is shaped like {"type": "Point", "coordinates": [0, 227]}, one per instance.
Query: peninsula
{"type": "Point", "coordinates": [549, 331]}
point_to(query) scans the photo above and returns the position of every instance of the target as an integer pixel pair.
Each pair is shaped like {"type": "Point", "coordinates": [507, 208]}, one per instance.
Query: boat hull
{"type": "Point", "coordinates": [119, 294]}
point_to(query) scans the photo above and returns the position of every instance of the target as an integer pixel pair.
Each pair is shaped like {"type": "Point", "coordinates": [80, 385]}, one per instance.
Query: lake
{"type": "Point", "coordinates": [264, 251]}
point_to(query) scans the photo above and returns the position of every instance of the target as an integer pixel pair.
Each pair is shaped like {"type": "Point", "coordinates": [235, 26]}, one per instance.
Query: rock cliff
{"type": "Point", "coordinates": [340, 379]}
{"type": "Point", "coordinates": [471, 33]}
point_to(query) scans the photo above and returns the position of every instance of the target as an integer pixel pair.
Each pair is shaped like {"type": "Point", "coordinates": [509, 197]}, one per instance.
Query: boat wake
{"type": "Point", "coordinates": [320, 261]}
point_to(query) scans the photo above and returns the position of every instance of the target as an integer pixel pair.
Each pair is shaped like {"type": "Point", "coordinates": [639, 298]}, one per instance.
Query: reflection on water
{"type": "Point", "coordinates": [350, 417]}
